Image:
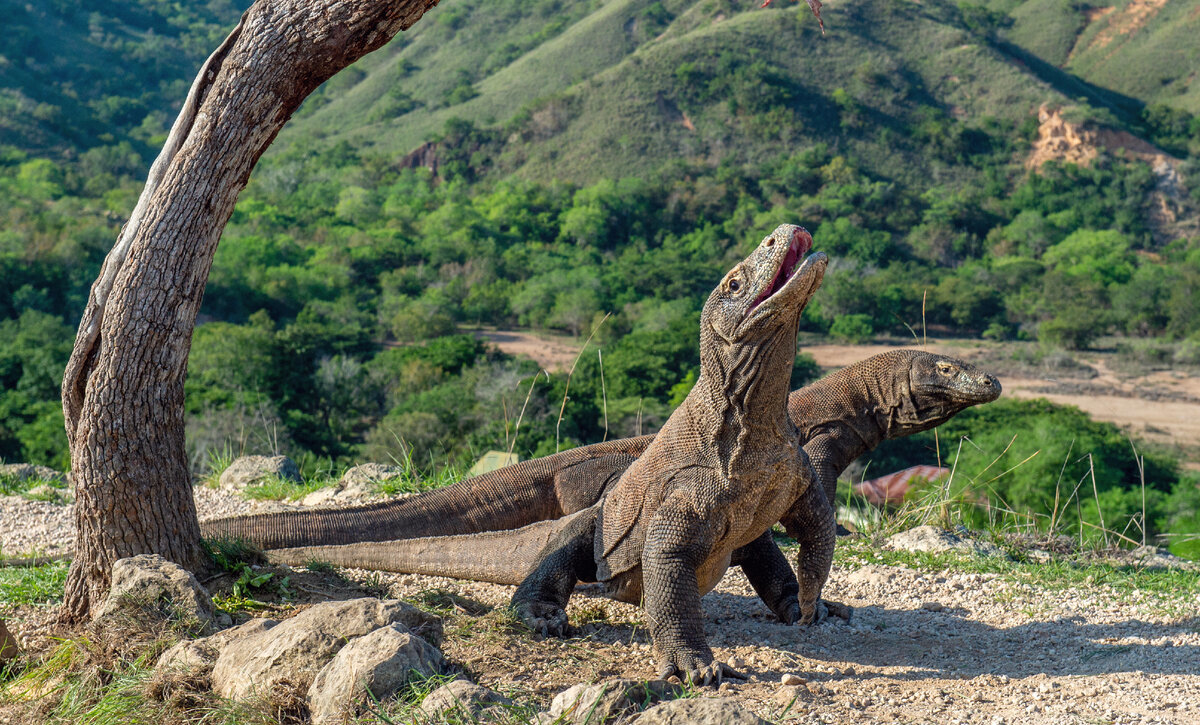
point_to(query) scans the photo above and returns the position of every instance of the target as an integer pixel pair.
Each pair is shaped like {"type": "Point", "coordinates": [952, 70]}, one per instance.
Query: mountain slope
{"type": "Point", "coordinates": [1145, 49]}
{"type": "Point", "coordinates": [629, 85]}
{"type": "Point", "coordinates": [75, 75]}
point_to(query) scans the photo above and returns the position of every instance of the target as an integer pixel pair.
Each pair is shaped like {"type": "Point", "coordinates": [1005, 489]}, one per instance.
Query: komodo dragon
{"type": "Point", "coordinates": [724, 468]}
{"type": "Point", "coordinates": [840, 417]}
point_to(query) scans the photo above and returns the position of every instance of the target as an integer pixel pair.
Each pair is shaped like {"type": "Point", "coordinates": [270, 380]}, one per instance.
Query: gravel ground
{"type": "Point", "coordinates": [41, 528]}
{"type": "Point", "coordinates": [920, 647]}
{"type": "Point", "coordinates": [939, 647]}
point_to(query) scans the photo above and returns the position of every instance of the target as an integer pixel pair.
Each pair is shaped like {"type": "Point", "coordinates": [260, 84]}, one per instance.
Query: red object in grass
{"type": "Point", "coordinates": [892, 487]}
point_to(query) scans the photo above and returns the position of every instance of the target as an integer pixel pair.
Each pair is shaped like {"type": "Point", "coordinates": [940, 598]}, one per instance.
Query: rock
{"type": "Point", "coordinates": [296, 649]}
{"type": "Point", "coordinates": [790, 680]}
{"type": "Point", "coordinates": [149, 583]}
{"type": "Point", "coordinates": [932, 606]}
{"type": "Point", "coordinates": [24, 471]}
{"type": "Point", "coordinates": [356, 483]}
{"type": "Point", "coordinates": [321, 497]}
{"type": "Point", "coordinates": [595, 704]}
{"type": "Point", "coordinates": [934, 540]}
{"type": "Point", "coordinates": [363, 481]}
{"type": "Point", "coordinates": [699, 711]}
{"type": "Point", "coordinates": [380, 662]}
{"type": "Point", "coordinates": [8, 645]}
{"type": "Point", "coordinates": [199, 655]}
{"type": "Point", "coordinates": [463, 699]}
{"type": "Point", "coordinates": [250, 470]}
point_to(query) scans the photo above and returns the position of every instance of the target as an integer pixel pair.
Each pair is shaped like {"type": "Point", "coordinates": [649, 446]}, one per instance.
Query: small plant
{"type": "Point", "coordinates": [217, 460]}
{"type": "Point", "coordinates": [412, 479]}
{"type": "Point", "coordinates": [232, 555]}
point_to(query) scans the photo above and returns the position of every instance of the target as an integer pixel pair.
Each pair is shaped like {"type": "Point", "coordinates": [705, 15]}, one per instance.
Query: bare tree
{"type": "Point", "coordinates": [123, 386]}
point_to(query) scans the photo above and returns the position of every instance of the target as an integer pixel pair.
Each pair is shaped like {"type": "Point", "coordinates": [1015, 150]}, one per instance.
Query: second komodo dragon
{"type": "Point", "coordinates": [724, 468]}
{"type": "Point", "coordinates": [840, 418]}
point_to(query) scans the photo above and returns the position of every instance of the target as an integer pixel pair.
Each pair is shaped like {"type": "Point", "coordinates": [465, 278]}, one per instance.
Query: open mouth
{"type": "Point", "coordinates": [799, 245]}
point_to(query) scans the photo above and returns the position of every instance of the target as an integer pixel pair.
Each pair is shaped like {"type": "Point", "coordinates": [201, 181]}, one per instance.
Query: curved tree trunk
{"type": "Point", "coordinates": [123, 386]}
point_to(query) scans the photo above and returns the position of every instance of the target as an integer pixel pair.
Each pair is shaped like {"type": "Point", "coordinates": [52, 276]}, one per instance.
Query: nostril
{"type": "Point", "coordinates": [771, 242]}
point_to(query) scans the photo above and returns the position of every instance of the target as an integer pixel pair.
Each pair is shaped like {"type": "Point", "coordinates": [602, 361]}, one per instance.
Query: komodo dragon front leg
{"type": "Point", "coordinates": [679, 544]}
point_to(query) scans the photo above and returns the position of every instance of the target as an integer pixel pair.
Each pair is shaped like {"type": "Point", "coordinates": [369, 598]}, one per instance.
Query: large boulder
{"type": "Point", "coordinates": [250, 470]}
{"type": "Point", "coordinates": [379, 663]}
{"type": "Point", "coordinates": [24, 471]}
{"type": "Point", "coordinates": [197, 656]}
{"type": "Point", "coordinates": [296, 649]}
{"type": "Point", "coordinates": [464, 701]}
{"type": "Point", "coordinates": [608, 701]}
{"type": "Point", "coordinates": [149, 584]}
{"type": "Point", "coordinates": [699, 711]}
{"type": "Point", "coordinates": [935, 540]}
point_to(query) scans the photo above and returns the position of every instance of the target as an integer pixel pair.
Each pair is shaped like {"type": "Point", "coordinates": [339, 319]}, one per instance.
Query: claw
{"type": "Point", "coordinates": [703, 676]}
{"type": "Point", "coordinates": [543, 618]}
{"type": "Point", "coordinates": [790, 614]}
{"type": "Point", "coordinates": [823, 609]}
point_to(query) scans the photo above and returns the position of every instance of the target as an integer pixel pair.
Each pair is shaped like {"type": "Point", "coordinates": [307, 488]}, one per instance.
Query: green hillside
{"type": "Point", "coordinates": [1144, 49]}
{"type": "Point", "coordinates": [77, 75]}
{"type": "Point", "coordinates": [626, 86]}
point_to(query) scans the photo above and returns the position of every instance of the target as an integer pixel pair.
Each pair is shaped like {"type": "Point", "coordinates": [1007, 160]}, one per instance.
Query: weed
{"type": "Point", "coordinates": [217, 460]}
{"type": "Point", "coordinates": [414, 479]}
{"type": "Point", "coordinates": [232, 555]}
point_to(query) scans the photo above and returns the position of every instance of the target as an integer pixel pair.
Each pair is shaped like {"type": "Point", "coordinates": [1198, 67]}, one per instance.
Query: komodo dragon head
{"type": "Point", "coordinates": [938, 388]}
{"type": "Point", "coordinates": [749, 323]}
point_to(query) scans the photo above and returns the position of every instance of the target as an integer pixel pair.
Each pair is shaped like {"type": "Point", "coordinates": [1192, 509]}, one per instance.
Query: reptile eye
{"type": "Point", "coordinates": [945, 368]}
{"type": "Point", "coordinates": [734, 285]}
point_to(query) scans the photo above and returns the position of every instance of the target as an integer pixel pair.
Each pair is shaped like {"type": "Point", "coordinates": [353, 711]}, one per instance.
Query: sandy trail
{"type": "Point", "coordinates": [994, 651]}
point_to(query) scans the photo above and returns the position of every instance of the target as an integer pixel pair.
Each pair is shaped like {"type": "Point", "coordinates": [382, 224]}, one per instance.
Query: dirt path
{"type": "Point", "coordinates": [921, 647]}
{"type": "Point", "coordinates": [553, 352]}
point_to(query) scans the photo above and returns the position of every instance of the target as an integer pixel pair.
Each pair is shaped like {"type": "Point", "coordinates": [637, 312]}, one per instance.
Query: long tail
{"type": "Point", "coordinates": [506, 498]}
{"type": "Point", "coordinates": [500, 557]}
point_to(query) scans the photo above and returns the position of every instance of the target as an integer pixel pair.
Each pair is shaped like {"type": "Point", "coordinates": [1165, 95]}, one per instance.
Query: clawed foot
{"type": "Point", "coordinates": [692, 670]}
{"type": "Point", "coordinates": [544, 618]}
{"type": "Point", "coordinates": [788, 611]}
{"type": "Point", "coordinates": [824, 609]}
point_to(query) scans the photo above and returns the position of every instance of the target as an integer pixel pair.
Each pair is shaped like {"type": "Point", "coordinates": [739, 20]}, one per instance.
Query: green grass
{"type": "Point", "coordinates": [80, 687]}
{"type": "Point", "coordinates": [12, 485]}
{"type": "Point", "coordinates": [34, 584]}
{"type": "Point", "coordinates": [216, 461]}
{"type": "Point", "coordinates": [279, 489]}
{"type": "Point", "coordinates": [414, 479]}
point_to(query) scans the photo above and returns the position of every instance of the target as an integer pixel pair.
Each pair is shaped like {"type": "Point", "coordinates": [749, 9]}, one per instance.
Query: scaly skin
{"type": "Point", "coordinates": [840, 417]}
{"type": "Point", "coordinates": [726, 466]}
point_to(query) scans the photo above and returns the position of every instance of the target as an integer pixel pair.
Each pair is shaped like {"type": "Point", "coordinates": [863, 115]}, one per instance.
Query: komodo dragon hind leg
{"type": "Point", "coordinates": [771, 575]}
{"type": "Point", "coordinates": [810, 522]}
{"type": "Point", "coordinates": [541, 599]}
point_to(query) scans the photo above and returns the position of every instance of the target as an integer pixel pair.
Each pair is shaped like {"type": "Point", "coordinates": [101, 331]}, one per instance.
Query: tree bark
{"type": "Point", "coordinates": [123, 386]}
